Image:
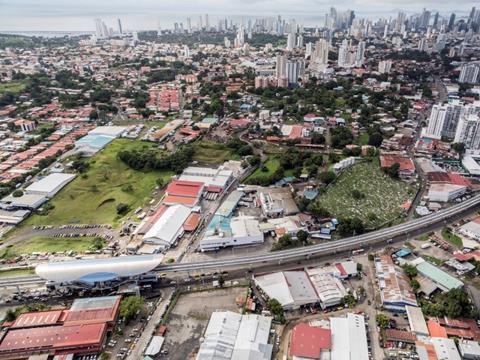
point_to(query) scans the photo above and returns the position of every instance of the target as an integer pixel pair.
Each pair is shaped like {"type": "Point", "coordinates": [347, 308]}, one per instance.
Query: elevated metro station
{"type": "Point", "coordinates": [99, 273]}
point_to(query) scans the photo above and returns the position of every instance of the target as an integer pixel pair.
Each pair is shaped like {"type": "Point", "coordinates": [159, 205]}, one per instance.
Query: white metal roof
{"type": "Point", "coordinates": [445, 348]}
{"type": "Point", "coordinates": [50, 183]}
{"type": "Point", "coordinates": [232, 336]}
{"type": "Point", "coordinates": [169, 225]}
{"type": "Point", "coordinates": [112, 131]}
{"type": "Point", "coordinates": [290, 288]}
{"type": "Point", "coordinates": [104, 269]}
{"type": "Point", "coordinates": [349, 338]}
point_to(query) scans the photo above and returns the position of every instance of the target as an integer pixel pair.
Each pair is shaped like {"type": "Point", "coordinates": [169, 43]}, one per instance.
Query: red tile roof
{"type": "Point", "coordinates": [308, 341]}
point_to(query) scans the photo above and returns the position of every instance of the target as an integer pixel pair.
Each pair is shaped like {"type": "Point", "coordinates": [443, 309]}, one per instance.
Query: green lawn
{"type": "Point", "coordinates": [212, 152]}
{"type": "Point", "coordinates": [452, 238]}
{"type": "Point", "coordinates": [49, 244]}
{"type": "Point", "coordinates": [382, 196]}
{"type": "Point", "coordinates": [272, 164]}
{"type": "Point", "coordinates": [93, 197]}
{"type": "Point", "coordinates": [16, 272]}
{"type": "Point", "coordinates": [12, 87]}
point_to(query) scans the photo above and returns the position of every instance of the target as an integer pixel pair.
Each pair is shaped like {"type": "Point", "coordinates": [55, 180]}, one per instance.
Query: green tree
{"type": "Point", "coordinates": [410, 270]}
{"type": "Point", "coordinates": [130, 306]}
{"type": "Point", "coordinates": [327, 177]}
{"type": "Point", "coordinates": [17, 193]}
{"type": "Point", "coordinates": [276, 309]}
{"type": "Point", "coordinates": [122, 208]}
{"type": "Point", "coordinates": [383, 321]}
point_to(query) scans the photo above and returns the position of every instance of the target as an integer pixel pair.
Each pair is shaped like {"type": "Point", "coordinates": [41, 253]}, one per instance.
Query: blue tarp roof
{"type": "Point", "coordinates": [403, 252]}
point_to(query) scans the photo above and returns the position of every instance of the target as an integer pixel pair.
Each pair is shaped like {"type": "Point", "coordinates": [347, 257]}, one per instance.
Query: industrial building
{"type": "Point", "coordinates": [445, 192]}
{"type": "Point", "coordinates": [97, 139]}
{"type": "Point", "coordinates": [168, 228]}
{"type": "Point", "coordinates": [349, 338]}
{"type": "Point", "coordinates": [50, 184]}
{"type": "Point", "coordinates": [310, 342]}
{"type": "Point", "coordinates": [395, 289]}
{"type": "Point", "coordinates": [233, 336]}
{"type": "Point", "coordinates": [329, 289]}
{"type": "Point", "coordinates": [26, 201]}
{"type": "Point", "coordinates": [440, 278]}
{"type": "Point", "coordinates": [215, 180]}
{"type": "Point", "coordinates": [292, 289]}
{"type": "Point", "coordinates": [236, 231]}
{"type": "Point", "coordinates": [80, 330]}
{"type": "Point", "coordinates": [416, 321]}
{"type": "Point", "coordinates": [277, 202]}
{"type": "Point", "coordinates": [187, 193]}
{"type": "Point", "coordinates": [315, 285]}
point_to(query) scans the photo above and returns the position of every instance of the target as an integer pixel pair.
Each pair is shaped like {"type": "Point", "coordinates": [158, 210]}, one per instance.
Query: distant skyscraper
{"type": "Point", "coordinates": [300, 41]}
{"type": "Point", "coordinates": [385, 66]}
{"type": "Point", "coordinates": [443, 120]}
{"type": "Point", "coordinates": [343, 54]}
{"type": "Point", "coordinates": [468, 131]}
{"type": "Point", "coordinates": [120, 30]}
{"type": "Point", "coordinates": [295, 69]}
{"type": "Point", "coordinates": [435, 20]}
{"type": "Point", "coordinates": [423, 45]}
{"type": "Point", "coordinates": [100, 28]}
{"type": "Point", "coordinates": [360, 55]}
{"type": "Point", "coordinates": [290, 41]}
{"type": "Point", "coordinates": [207, 22]}
{"type": "Point", "coordinates": [280, 67]}
{"type": "Point", "coordinates": [451, 22]}
{"type": "Point", "coordinates": [189, 25]}
{"type": "Point", "coordinates": [470, 73]}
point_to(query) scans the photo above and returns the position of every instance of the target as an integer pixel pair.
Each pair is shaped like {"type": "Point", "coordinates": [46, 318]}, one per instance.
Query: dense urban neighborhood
{"type": "Point", "coordinates": [242, 188]}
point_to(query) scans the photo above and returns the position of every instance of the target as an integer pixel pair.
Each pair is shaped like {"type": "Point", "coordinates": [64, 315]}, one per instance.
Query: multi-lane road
{"type": "Point", "coordinates": [378, 237]}
{"type": "Point", "coordinates": [332, 247]}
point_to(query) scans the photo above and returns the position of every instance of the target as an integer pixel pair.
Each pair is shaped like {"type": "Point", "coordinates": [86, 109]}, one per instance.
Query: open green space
{"type": "Point", "coordinates": [269, 167]}
{"type": "Point", "coordinates": [453, 239]}
{"type": "Point", "coordinates": [14, 87]}
{"type": "Point", "coordinates": [92, 198]}
{"type": "Point", "coordinates": [16, 272]}
{"type": "Point", "coordinates": [378, 197]}
{"type": "Point", "coordinates": [48, 244]}
{"type": "Point", "coordinates": [211, 152]}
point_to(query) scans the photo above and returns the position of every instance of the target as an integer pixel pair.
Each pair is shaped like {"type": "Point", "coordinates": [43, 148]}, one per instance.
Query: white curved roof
{"type": "Point", "coordinates": [98, 269]}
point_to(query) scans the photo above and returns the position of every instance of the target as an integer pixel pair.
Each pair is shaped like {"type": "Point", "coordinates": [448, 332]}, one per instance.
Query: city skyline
{"type": "Point", "coordinates": [54, 15]}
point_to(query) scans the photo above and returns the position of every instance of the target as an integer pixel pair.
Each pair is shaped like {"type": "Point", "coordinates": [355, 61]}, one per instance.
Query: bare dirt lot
{"type": "Point", "coordinates": [189, 318]}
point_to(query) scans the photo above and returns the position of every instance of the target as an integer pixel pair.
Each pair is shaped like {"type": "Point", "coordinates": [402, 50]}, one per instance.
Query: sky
{"type": "Point", "coordinates": [70, 15]}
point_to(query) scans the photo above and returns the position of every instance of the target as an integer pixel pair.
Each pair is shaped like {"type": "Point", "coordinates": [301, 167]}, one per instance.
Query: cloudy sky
{"type": "Point", "coordinates": [69, 15]}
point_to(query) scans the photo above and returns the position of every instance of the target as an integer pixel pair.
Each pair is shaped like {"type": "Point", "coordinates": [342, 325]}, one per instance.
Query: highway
{"type": "Point", "coordinates": [304, 253]}
{"type": "Point", "coordinates": [332, 247]}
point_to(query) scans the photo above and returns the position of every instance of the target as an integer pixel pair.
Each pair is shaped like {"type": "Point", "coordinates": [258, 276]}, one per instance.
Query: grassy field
{"type": "Point", "coordinates": [16, 272]}
{"type": "Point", "coordinates": [49, 244]}
{"type": "Point", "coordinates": [211, 152]}
{"type": "Point", "coordinates": [12, 87]}
{"type": "Point", "coordinates": [93, 197]}
{"type": "Point", "coordinates": [453, 239]}
{"type": "Point", "coordinates": [271, 165]}
{"type": "Point", "coordinates": [381, 200]}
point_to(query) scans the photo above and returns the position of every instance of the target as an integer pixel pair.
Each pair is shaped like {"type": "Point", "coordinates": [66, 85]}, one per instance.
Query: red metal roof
{"type": "Point", "coordinates": [53, 337]}
{"type": "Point", "coordinates": [192, 222]}
{"type": "Point", "coordinates": [184, 200]}
{"type": "Point", "coordinates": [308, 341]}
{"type": "Point", "coordinates": [400, 335]}
{"type": "Point", "coordinates": [41, 318]}
{"type": "Point", "coordinates": [185, 188]}
{"type": "Point", "coordinates": [406, 164]}
{"type": "Point", "coordinates": [435, 329]}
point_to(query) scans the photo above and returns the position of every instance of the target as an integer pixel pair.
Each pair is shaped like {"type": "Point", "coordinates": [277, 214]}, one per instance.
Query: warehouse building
{"type": "Point", "coordinates": [446, 192]}
{"type": "Point", "coordinates": [330, 289]}
{"type": "Point", "coordinates": [471, 229]}
{"type": "Point", "coordinates": [215, 180]}
{"type": "Point", "coordinates": [187, 193]}
{"type": "Point", "coordinates": [80, 330]}
{"type": "Point", "coordinates": [349, 338]}
{"type": "Point", "coordinates": [310, 343]}
{"type": "Point", "coordinates": [292, 289]}
{"type": "Point", "coordinates": [26, 201]}
{"type": "Point", "coordinates": [277, 201]}
{"type": "Point", "coordinates": [440, 278]}
{"type": "Point", "coordinates": [237, 231]}
{"type": "Point", "coordinates": [395, 289]}
{"type": "Point", "coordinates": [233, 336]}
{"type": "Point", "coordinates": [416, 321]}
{"type": "Point", "coordinates": [50, 184]}
{"type": "Point", "coordinates": [168, 228]}
{"type": "Point", "coordinates": [97, 139]}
